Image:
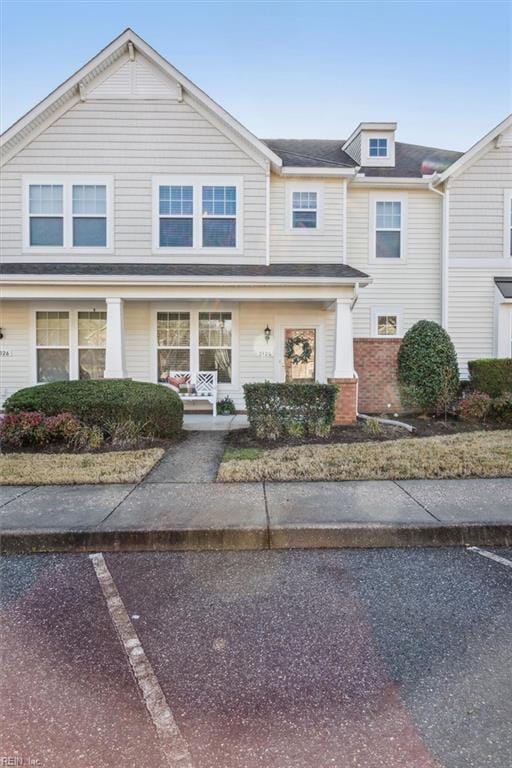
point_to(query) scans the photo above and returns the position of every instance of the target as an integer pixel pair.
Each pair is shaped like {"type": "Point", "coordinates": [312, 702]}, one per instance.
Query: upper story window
{"type": "Point", "coordinates": [386, 321]}
{"type": "Point", "coordinates": [90, 215]}
{"type": "Point", "coordinates": [304, 210]}
{"type": "Point", "coordinates": [196, 213]}
{"type": "Point", "coordinates": [377, 147]}
{"type": "Point", "coordinates": [388, 229]}
{"type": "Point", "coordinates": [176, 211]}
{"type": "Point", "coordinates": [219, 217]}
{"type": "Point", "coordinates": [46, 214]}
{"type": "Point", "coordinates": [67, 213]}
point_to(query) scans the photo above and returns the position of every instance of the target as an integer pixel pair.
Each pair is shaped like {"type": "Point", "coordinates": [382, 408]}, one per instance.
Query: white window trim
{"type": "Point", "coordinates": [388, 160]}
{"type": "Point", "coordinates": [73, 345]}
{"type": "Point", "coordinates": [194, 310]}
{"type": "Point", "coordinates": [507, 203]}
{"type": "Point", "coordinates": [305, 187]}
{"type": "Point", "coordinates": [376, 312]}
{"type": "Point", "coordinates": [378, 138]}
{"type": "Point", "coordinates": [197, 182]}
{"type": "Point", "coordinates": [67, 182]}
{"type": "Point", "coordinates": [387, 197]}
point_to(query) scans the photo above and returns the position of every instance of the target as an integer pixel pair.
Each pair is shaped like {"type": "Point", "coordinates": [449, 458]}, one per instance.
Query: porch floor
{"type": "Point", "coordinates": [203, 422]}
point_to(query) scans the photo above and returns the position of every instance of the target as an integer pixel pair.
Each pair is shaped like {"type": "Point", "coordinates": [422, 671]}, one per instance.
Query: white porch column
{"type": "Point", "coordinates": [114, 351]}
{"type": "Point", "coordinates": [343, 345]}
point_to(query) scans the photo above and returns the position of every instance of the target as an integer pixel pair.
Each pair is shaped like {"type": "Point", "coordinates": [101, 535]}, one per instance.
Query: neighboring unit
{"type": "Point", "coordinates": [146, 231]}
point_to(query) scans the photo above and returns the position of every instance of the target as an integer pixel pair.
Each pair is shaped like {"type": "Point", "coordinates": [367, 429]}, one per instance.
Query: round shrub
{"type": "Point", "coordinates": [427, 367]}
{"type": "Point", "coordinates": [157, 409]}
{"type": "Point", "coordinates": [475, 406]}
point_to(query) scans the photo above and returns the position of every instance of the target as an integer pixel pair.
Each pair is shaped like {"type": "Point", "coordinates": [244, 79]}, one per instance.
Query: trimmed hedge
{"type": "Point", "coordinates": [277, 410]}
{"type": "Point", "coordinates": [493, 376]}
{"type": "Point", "coordinates": [157, 409]}
{"type": "Point", "coordinates": [427, 367]}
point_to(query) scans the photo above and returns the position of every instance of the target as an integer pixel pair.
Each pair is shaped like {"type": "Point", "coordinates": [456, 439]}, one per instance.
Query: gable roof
{"type": "Point", "coordinates": [411, 160]}
{"type": "Point", "coordinates": [69, 89]}
{"type": "Point", "coordinates": [474, 152]}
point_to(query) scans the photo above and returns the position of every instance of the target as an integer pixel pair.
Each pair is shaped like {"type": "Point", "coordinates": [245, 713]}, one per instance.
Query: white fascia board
{"type": "Point", "coordinates": [292, 170]}
{"type": "Point", "coordinates": [368, 127]}
{"type": "Point", "coordinates": [181, 279]}
{"type": "Point", "coordinates": [474, 152]}
{"type": "Point", "coordinates": [391, 181]}
{"type": "Point", "coordinates": [122, 41]}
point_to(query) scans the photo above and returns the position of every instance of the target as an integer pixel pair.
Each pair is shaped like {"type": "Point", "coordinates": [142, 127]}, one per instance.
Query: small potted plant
{"type": "Point", "coordinates": [226, 407]}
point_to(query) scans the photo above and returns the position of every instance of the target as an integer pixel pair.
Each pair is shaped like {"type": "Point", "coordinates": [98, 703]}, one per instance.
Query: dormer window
{"type": "Point", "coordinates": [377, 147]}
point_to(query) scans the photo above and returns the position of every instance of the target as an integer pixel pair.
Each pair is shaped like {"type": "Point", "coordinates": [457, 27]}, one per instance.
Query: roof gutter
{"type": "Point", "coordinates": [291, 170]}
{"type": "Point", "coordinates": [445, 247]}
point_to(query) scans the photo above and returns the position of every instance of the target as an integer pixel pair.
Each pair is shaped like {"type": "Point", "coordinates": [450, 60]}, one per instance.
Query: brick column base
{"type": "Point", "coordinates": [346, 401]}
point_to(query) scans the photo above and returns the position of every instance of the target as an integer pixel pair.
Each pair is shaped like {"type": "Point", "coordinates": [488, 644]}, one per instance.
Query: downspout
{"type": "Point", "coordinates": [445, 245]}
{"type": "Point", "coordinates": [267, 215]}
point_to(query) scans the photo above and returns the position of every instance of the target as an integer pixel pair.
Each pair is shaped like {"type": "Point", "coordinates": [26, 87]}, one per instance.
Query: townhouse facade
{"type": "Point", "coordinates": [145, 231]}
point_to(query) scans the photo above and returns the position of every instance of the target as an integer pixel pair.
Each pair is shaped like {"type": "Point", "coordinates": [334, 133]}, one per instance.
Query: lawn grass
{"type": "Point", "coordinates": [242, 454]}
{"type": "Point", "coordinates": [71, 468]}
{"type": "Point", "coordinates": [475, 454]}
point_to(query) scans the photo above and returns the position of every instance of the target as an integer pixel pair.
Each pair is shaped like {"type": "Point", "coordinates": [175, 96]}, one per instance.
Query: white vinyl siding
{"type": "Point", "coordinates": [321, 244]}
{"type": "Point", "coordinates": [412, 284]}
{"type": "Point", "coordinates": [478, 208]}
{"type": "Point", "coordinates": [133, 142]}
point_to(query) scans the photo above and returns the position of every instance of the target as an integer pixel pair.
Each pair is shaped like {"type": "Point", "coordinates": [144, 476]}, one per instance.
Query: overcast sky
{"type": "Point", "coordinates": [442, 70]}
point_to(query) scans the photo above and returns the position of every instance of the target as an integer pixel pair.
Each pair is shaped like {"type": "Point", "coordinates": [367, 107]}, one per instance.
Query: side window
{"type": "Point", "coordinates": [92, 338]}
{"type": "Point", "coordinates": [388, 229]}
{"type": "Point", "coordinates": [304, 210]}
{"type": "Point", "coordinates": [386, 322]}
{"type": "Point", "coordinates": [46, 214]}
{"type": "Point", "coordinates": [176, 216]}
{"type": "Point", "coordinates": [173, 342]}
{"type": "Point", "coordinates": [52, 346]}
{"type": "Point", "coordinates": [219, 217]}
{"type": "Point", "coordinates": [90, 215]}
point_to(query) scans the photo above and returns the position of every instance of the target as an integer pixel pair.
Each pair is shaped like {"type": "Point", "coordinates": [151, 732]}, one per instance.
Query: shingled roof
{"type": "Point", "coordinates": [411, 160]}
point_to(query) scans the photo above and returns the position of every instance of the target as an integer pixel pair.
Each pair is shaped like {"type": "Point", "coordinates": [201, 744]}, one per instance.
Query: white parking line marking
{"type": "Point", "coordinates": [173, 744]}
{"type": "Point", "coordinates": [491, 556]}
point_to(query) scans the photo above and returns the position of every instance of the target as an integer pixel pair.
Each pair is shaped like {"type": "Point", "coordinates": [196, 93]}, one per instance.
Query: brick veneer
{"type": "Point", "coordinates": [346, 401]}
{"type": "Point", "coordinates": [375, 363]}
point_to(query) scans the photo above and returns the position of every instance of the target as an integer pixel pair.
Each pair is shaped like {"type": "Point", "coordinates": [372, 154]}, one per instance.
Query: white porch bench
{"type": "Point", "coordinates": [202, 385]}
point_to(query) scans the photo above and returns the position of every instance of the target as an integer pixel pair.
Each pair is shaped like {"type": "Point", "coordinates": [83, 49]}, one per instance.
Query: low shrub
{"type": "Point", "coordinates": [96, 402]}
{"type": "Point", "coordinates": [32, 428]}
{"type": "Point", "coordinates": [226, 407]}
{"type": "Point", "coordinates": [427, 368]}
{"type": "Point", "coordinates": [123, 434]}
{"type": "Point", "coordinates": [87, 439]}
{"type": "Point", "coordinates": [278, 410]}
{"type": "Point", "coordinates": [493, 376]}
{"type": "Point", "coordinates": [475, 406]}
{"type": "Point", "coordinates": [372, 428]}
{"type": "Point", "coordinates": [502, 408]}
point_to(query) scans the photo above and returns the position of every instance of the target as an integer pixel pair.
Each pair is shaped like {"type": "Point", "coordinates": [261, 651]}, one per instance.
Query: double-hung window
{"type": "Point", "coordinates": [377, 147]}
{"type": "Point", "coordinates": [92, 337]}
{"type": "Point", "coordinates": [176, 212]}
{"type": "Point", "coordinates": [388, 229]}
{"type": "Point", "coordinates": [67, 213]}
{"type": "Point", "coordinates": [46, 214]}
{"type": "Point", "coordinates": [89, 215]}
{"type": "Point", "coordinates": [215, 336]}
{"type": "Point", "coordinates": [219, 216]}
{"type": "Point", "coordinates": [173, 342]}
{"type": "Point", "coordinates": [52, 346]}
{"type": "Point", "coordinates": [304, 210]}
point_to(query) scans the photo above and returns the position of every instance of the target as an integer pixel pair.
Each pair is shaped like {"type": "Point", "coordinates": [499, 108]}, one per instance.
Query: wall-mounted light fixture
{"type": "Point", "coordinates": [267, 333]}
{"type": "Point", "coordinates": [1, 334]}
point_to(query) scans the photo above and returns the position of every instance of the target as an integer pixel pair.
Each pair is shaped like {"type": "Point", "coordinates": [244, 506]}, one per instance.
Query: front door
{"type": "Point", "coordinates": [300, 355]}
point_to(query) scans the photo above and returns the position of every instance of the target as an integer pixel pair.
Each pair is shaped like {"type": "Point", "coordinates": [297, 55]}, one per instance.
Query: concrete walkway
{"type": "Point", "coordinates": [194, 513]}
{"type": "Point", "coordinates": [204, 422]}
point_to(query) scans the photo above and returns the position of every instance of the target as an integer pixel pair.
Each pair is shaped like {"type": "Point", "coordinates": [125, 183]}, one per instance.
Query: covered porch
{"type": "Point", "coordinates": [244, 329]}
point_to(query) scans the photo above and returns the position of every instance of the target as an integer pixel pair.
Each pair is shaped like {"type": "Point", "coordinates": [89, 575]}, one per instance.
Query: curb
{"type": "Point", "coordinates": [332, 536]}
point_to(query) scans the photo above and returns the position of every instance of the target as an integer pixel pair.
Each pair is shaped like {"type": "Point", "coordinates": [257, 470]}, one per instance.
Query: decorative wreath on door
{"type": "Point", "coordinates": [298, 357]}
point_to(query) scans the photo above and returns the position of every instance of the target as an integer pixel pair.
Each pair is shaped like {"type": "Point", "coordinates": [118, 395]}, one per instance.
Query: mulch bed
{"type": "Point", "coordinates": [106, 447]}
{"type": "Point", "coordinates": [356, 433]}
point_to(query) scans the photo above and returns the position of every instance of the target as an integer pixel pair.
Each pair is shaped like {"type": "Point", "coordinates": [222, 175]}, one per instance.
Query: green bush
{"type": "Point", "coordinates": [277, 410]}
{"type": "Point", "coordinates": [494, 376]}
{"type": "Point", "coordinates": [226, 407]}
{"type": "Point", "coordinates": [99, 402]}
{"type": "Point", "coordinates": [427, 367]}
{"type": "Point", "coordinates": [501, 408]}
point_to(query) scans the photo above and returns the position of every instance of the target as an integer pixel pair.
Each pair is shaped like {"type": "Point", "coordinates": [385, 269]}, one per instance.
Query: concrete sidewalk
{"type": "Point", "coordinates": [199, 514]}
